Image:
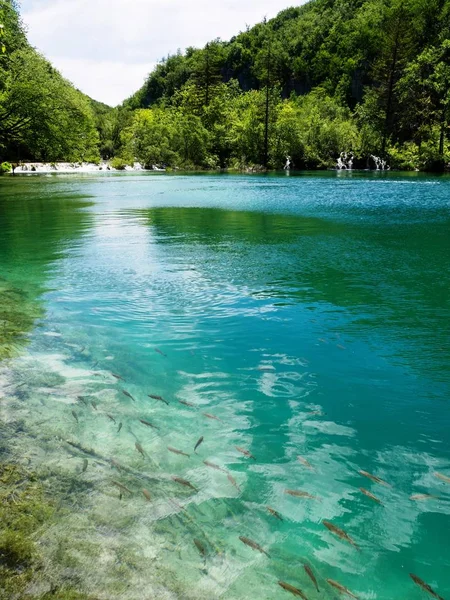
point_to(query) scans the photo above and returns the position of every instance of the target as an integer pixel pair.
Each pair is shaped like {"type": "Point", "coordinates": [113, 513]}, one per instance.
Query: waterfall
{"type": "Point", "coordinates": [345, 161]}
{"type": "Point", "coordinates": [380, 164]}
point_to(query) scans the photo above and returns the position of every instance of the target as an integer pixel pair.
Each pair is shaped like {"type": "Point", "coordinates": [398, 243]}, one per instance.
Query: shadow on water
{"type": "Point", "coordinates": [367, 268]}
{"type": "Point", "coordinates": [35, 232]}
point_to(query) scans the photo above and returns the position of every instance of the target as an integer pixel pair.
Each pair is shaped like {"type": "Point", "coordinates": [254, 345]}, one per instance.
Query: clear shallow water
{"type": "Point", "coordinates": [310, 314]}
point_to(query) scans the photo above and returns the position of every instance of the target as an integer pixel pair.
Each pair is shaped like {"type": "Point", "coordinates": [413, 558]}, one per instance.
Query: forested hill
{"type": "Point", "coordinates": [42, 116]}
{"type": "Point", "coordinates": [371, 76]}
{"type": "Point", "coordinates": [344, 46]}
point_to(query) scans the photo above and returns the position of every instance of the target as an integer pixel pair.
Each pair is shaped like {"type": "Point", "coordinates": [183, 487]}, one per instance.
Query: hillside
{"type": "Point", "coordinates": [374, 72]}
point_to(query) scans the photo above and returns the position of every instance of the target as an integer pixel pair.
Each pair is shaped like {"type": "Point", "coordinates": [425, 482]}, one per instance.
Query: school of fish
{"type": "Point", "coordinates": [300, 495]}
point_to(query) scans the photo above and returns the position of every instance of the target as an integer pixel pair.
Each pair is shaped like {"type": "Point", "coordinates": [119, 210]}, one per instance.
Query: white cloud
{"type": "Point", "coordinates": [105, 46]}
{"type": "Point", "coordinates": [106, 81]}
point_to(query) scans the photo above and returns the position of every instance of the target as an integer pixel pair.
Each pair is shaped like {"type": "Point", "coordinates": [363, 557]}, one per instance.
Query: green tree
{"type": "Point", "coordinates": [41, 111]}
{"type": "Point", "coordinates": [247, 126]}
{"type": "Point", "coordinates": [397, 46]}
{"type": "Point", "coordinates": [425, 94]}
{"type": "Point", "coordinates": [327, 129]}
{"type": "Point", "coordinates": [150, 138]}
{"type": "Point", "coordinates": [192, 139]}
{"type": "Point", "coordinates": [217, 118]}
{"type": "Point", "coordinates": [206, 72]}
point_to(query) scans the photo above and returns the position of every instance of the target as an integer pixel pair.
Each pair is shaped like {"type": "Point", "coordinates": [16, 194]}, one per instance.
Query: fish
{"type": "Point", "coordinates": [310, 574]}
{"type": "Point", "coordinates": [82, 399]}
{"type": "Point", "coordinates": [374, 478]}
{"type": "Point", "coordinates": [424, 586]}
{"type": "Point", "coordinates": [120, 427]}
{"type": "Point", "coordinates": [245, 452]}
{"type": "Point", "coordinates": [115, 464]}
{"type": "Point", "coordinates": [75, 416]}
{"type": "Point", "coordinates": [200, 547]}
{"type": "Point", "coordinates": [148, 424]}
{"type": "Point", "coordinates": [85, 465]}
{"type": "Point", "coordinates": [300, 494]}
{"type": "Point", "coordinates": [341, 588]}
{"type": "Point", "coordinates": [290, 588]}
{"type": "Point", "coordinates": [160, 352]}
{"type": "Point", "coordinates": [209, 416]}
{"type": "Point", "coordinates": [370, 495]}
{"type": "Point", "coordinates": [340, 533]}
{"type": "Point", "coordinates": [322, 340]}
{"type": "Point", "coordinates": [198, 443]}
{"type": "Point", "coordinates": [213, 466]}
{"type": "Point", "coordinates": [94, 404]}
{"type": "Point", "coordinates": [139, 448]}
{"type": "Point", "coordinates": [314, 413]}
{"type": "Point", "coordinates": [128, 395]}
{"type": "Point", "coordinates": [305, 463]}
{"type": "Point", "coordinates": [121, 487]}
{"type": "Point", "coordinates": [160, 398]}
{"type": "Point", "coordinates": [442, 477]}
{"type": "Point", "coordinates": [118, 377]}
{"type": "Point", "coordinates": [147, 495]}
{"type": "Point", "coordinates": [233, 482]}
{"type": "Point", "coordinates": [253, 545]}
{"type": "Point", "coordinates": [111, 418]}
{"type": "Point", "coordinates": [175, 451]}
{"type": "Point", "coordinates": [186, 403]}
{"type": "Point", "coordinates": [94, 365]}
{"type": "Point", "coordinates": [423, 497]}
{"type": "Point", "coordinates": [184, 482]}
{"type": "Point", "coordinates": [274, 513]}
{"type": "Point", "coordinates": [341, 347]}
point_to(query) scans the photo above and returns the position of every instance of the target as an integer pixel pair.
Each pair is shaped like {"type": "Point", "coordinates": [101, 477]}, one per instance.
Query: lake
{"type": "Point", "coordinates": [301, 319]}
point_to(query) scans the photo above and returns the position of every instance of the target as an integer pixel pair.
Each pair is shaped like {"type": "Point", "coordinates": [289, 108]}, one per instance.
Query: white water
{"type": "Point", "coordinates": [66, 167]}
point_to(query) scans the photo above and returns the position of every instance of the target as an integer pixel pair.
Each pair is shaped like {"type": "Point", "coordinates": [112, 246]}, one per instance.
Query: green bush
{"type": "Point", "coordinates": [5, 167]}
{"type": "Point", "coordinates": [404, 157]}
{"type": "Point", "coordinates": [426, 158]}
{"type": "Point", "coordinates": [431, 160]}
{"type": "Point", "coordinates": [93, 158]}
{"type": "Point", "coordinates": [118, 163]}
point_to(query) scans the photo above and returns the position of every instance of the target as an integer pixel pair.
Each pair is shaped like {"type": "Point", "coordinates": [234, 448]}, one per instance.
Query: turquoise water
{"type": "Point", "coordinates": [309, 314]}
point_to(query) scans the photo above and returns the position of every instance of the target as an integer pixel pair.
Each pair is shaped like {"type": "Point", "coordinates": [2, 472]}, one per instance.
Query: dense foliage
{"type": "Point", "coordinates": [361, 76]}
{"type": "Point", "coordinates": [42, 116]}
{"type": "Point", "coordinates": [366, 77]}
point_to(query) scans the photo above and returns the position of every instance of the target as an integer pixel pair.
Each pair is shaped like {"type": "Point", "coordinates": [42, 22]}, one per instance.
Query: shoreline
{"type": "Point", "coordinates": [65, 168]}
{"type": "Point", "coordinates": [30, 168]}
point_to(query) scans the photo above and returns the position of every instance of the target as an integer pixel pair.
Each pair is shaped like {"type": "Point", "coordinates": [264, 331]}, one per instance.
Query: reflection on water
{"type": "Point", "coordinates": [303, 338]}
{"type": "Point", "coordinates": [35, 232]}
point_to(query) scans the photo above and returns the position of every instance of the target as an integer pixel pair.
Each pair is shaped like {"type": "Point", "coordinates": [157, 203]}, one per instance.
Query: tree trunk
{"type": "Point", "coordinates": [442, 133]}
{"type": "Point", "coordinates": [207, 76]}
{"type": "Point", "coordinates": [266, 124]}
{"type": "Point", "coordinates": [390, 90]}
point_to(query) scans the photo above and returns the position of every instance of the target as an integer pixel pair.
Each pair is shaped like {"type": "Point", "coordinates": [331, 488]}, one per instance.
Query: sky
{"type": "Point", "coordinates": [106, 48]}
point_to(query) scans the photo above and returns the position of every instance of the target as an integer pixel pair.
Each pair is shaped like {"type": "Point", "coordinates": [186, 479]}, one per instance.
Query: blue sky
{"type": "Point", "coordinates": [107, 47]}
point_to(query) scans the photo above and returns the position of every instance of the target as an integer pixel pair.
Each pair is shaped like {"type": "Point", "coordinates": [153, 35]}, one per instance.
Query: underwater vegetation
{"type": "Point", "coordinates": [17, 316]}
{"type": "Point", "coordinates": [25, 507]}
